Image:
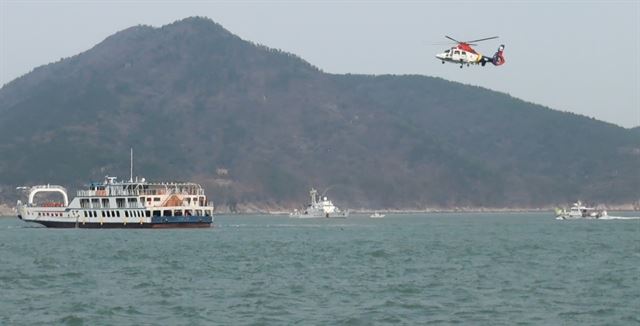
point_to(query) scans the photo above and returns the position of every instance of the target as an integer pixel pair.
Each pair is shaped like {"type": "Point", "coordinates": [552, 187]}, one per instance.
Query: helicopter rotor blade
{"type": "Point", "coordinates": [452, 39]}
{"type": "Point", "coordinates": [482, 39]}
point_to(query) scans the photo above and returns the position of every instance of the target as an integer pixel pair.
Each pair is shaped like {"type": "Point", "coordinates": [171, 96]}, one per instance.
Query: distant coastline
{"type": "Point", "coordinates": [6, 210]}
{"type": "Point", "coordinates": [257, 209]}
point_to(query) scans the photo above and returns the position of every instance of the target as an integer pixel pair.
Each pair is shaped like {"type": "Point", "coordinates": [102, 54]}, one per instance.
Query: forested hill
{"type": "Point", "coordinates": [258, 127]}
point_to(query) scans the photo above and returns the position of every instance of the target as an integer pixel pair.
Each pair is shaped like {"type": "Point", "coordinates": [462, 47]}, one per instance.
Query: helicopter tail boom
{"type": "Point", "coordinates": [496, 60]}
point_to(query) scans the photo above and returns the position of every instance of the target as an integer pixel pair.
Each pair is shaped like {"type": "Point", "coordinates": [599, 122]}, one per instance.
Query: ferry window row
{"type": "Point", "coordinates": [121, 202]}
{"type": "Point", "coordinates": [179, 212]}
{"type": "Point", "coordinates": [105, 203]}
{"type": "Point", "coordinates": [186, 201]}
{"type": "Point", "coordinates": [49, 214]}
{"type": "Point", "coordinates": [117, 213]}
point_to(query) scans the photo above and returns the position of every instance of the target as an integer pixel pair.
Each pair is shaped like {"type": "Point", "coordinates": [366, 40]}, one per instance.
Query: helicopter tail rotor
{"type": "Point", "coordinates": [498, 57]}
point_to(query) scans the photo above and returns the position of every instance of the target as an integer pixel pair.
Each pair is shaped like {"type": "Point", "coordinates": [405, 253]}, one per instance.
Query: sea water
{"type": "Point", "coordinates": [471, 269]}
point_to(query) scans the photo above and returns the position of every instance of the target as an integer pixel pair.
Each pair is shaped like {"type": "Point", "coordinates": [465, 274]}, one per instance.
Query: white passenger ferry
{"type": "Point", "coordinates": [129, 204]}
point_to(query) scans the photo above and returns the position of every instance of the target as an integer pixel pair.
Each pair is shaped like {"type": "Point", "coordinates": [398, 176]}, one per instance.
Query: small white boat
{"type": "Point", "coordinates": [579, 211]}
{"type": "Point", "coordinates": [376, 215]}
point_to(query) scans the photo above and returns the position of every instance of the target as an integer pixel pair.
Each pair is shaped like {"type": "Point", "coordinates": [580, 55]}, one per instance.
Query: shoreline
{"type": "Point", "coordinates": [253, 210]}
{"type": "Point", "coordinates": [7, 211]}
{"type": "Point", "coordinates": [403, 212]}
{"type": "Point", "coordinates": [4, 215]}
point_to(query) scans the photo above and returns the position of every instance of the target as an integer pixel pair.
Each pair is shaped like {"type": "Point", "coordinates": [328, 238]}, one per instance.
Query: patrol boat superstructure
{"type": "Point", "coordinates": [320, 206]}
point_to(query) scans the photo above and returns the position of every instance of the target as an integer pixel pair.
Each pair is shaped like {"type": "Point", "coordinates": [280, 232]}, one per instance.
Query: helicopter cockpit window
{"type": "Point", "coordinates": [446, 51]}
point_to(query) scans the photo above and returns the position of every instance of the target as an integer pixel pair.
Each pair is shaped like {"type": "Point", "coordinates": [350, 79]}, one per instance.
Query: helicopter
{"type": "Point", "coordinates": [463, 54]}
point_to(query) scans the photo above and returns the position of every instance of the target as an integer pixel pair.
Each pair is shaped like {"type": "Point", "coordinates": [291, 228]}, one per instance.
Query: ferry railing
{"type": "Point", "coordinates": [85, 193]}
{"type": "Point", "coordinates": [140, 192]}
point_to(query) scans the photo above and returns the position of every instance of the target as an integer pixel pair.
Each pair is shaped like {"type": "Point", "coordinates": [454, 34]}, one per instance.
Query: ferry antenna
{"type": "Point", "coordinates": [131, 166]}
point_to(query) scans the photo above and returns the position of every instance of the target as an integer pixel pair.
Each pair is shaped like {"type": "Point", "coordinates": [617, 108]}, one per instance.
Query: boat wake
{"type": "Point", "coordinates": [9, 227]}
{"type": "Point", "coordinates": [619, 217]}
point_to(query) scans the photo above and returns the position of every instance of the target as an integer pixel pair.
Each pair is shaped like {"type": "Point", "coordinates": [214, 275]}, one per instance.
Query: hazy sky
{"type": "Point", "coordinates": [578, 56]}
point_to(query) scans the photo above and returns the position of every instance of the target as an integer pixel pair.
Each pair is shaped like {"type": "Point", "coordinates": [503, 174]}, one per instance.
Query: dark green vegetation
{"type": "Point", "coordinates": [260, 126]}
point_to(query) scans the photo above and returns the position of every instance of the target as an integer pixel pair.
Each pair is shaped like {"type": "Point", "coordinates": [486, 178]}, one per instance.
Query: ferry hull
{"type": "Point", "coordinates": [156, 223]}
{"type": "Point", "coordinates": [71, 225]}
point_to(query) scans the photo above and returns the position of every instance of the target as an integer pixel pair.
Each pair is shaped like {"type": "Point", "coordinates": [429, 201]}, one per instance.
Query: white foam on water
{"type": "Point", "coordinates": [619, 218]}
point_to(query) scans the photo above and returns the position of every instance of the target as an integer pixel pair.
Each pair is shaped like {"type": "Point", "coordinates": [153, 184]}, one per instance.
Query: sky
{"type": "Point", "coordinates": [575, 56]}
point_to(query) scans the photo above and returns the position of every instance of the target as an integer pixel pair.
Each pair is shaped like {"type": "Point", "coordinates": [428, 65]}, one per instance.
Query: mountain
{"type": "Point", "coordinates": [258, 127]}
